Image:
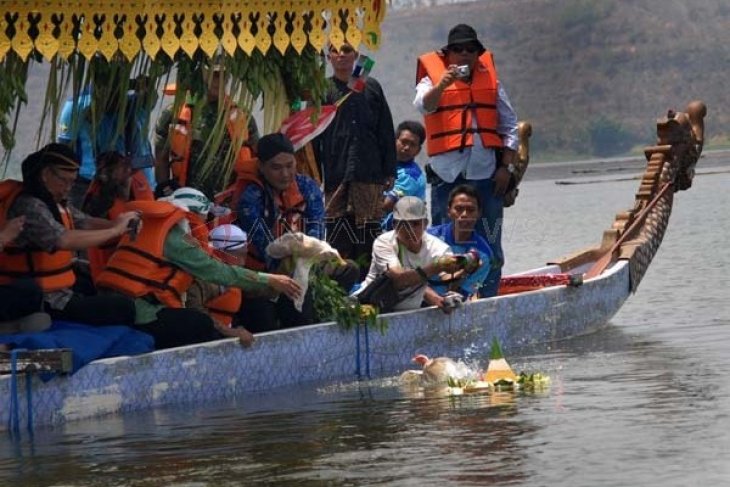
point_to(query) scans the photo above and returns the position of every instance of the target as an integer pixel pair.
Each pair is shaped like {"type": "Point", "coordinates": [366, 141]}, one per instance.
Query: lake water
{"type": "Point", "coordinates": [644, 402]}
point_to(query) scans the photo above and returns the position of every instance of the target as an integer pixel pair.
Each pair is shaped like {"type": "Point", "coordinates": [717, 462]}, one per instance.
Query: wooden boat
{"type": "Point", "coordinates": [324, 352]}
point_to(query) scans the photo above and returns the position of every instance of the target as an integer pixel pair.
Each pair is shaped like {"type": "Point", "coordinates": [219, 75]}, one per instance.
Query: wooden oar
{"type": "Point", "coordinates": [602, 263]}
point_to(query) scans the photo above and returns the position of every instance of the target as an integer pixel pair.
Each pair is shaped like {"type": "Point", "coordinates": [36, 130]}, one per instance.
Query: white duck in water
{"type": "Point", "coordinates": [438, 369]}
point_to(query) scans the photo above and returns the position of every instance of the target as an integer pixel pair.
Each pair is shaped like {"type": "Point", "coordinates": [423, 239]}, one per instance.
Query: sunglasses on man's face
{"type": "Point", "coordinates": [344, 49]}
{"type": "Point", "coordinates": [459, 49]}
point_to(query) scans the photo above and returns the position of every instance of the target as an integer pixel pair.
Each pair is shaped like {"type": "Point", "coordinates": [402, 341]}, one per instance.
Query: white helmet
{"type": "Point", "coordinates": [190, 199]}
{"type": "Point", "coordinates": [227, 237]}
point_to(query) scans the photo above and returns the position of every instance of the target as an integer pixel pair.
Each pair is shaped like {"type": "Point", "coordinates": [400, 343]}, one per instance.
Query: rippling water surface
{"type": "Point", "coordinates": [646, 401]}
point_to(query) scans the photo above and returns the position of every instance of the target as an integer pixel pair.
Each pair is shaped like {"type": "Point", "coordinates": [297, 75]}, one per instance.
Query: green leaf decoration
{"type": "Point", "coordinates": [495, 352]}
{"type": "Point", "coordinates": [331, 303]}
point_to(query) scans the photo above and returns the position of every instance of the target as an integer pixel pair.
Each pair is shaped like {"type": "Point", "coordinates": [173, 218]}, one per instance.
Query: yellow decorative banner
{"type": "Point", "coordinates": [182, 27]}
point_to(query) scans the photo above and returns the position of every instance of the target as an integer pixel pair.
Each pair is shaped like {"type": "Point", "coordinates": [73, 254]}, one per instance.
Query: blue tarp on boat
{"type": "Point", "coordinates": [88, 343]}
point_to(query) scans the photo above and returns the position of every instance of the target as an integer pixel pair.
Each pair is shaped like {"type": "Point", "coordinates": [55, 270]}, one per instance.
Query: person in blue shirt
{"type": "Point", "coordinates": [78, 131]}
{"type": "Point", "coordinates": [464, 210]}
{"type": "Point", "coordinates": [277, 200]}
{"type": "Point", "coordinates": [273, 202]}
{"type": "Point", "coordinates": [410, 179]}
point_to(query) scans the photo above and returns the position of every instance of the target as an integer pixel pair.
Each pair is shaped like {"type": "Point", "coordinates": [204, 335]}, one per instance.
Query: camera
{"type": "Point", "coordinates": [463, 71]}
{"type": "Point", "coordinates": [133, 228]}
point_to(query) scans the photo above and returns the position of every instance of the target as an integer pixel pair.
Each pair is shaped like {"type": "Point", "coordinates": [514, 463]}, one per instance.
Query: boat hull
{"type": "Point", "coordinates": [319, 353]}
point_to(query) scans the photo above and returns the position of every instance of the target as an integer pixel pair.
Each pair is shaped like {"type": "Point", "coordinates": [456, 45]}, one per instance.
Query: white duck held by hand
{"type": "Point", "coordinates": [306, 251]}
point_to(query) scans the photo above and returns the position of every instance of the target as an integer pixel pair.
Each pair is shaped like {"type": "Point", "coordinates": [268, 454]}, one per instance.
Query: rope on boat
{"type": "Point", "coordinates": [367, 352]}
{"type": "Point", "coordinates": [14, 410]}
{"type": "Point", "coordinates": [358, 352]}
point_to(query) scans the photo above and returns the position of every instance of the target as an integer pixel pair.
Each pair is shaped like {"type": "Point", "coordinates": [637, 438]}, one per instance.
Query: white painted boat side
{"type": "Point", "coordinates": [320, 353]}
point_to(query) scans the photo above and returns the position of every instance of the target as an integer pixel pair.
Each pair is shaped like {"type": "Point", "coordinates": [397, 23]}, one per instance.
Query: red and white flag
{"type": "Point", "coordinates": [303, 126]}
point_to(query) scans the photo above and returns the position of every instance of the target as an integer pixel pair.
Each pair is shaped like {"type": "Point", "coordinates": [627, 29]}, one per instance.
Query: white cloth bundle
{"type": "Point", "coordinates": [306, 252]}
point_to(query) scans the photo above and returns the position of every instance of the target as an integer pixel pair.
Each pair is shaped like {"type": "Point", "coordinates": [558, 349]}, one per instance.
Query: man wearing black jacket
{"type": "Point", "coordinates": [357, 158]}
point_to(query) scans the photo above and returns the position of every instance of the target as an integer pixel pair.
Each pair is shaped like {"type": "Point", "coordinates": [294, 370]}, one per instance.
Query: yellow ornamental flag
{"type": "Point", "coordinates": [126, 27]}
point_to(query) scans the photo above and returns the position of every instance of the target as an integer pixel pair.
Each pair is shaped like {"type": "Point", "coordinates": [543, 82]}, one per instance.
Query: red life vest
{"type": "Point", "coordinates": [245, 171]}
{"type": "Point", "coordinates": [290, 205]}
{"type": "Point", "coordinates": [139, 268]}
{"type": "Point", "coordinates": [224, 306]}
{"type": "Point", "coordinates": [51, 270]}
{"type": "Point", "coordinates": [451, 126]}
{"type": "Point", "coordinates": [181, 139]}
{"type": "Point", "coordinates": [140, 190]}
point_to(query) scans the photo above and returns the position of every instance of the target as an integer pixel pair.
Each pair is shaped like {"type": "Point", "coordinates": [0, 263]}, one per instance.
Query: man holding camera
{"type": "Point", "coordinates": [471, 132]}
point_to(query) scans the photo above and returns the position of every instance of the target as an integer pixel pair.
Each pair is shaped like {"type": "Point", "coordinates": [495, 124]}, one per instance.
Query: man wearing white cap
{"type": "Point", "coordinates": [410, 256]}
{"type": "Point", "coordinates": [222, 303]}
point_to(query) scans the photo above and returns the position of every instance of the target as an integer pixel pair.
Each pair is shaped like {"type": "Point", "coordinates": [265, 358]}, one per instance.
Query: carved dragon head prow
{"type": "Point", "coordinates": [684, 132]}
{"type": "Point", "coordinates": [636, 234]}
{"type": "Point", "coordinates": [670, 168]}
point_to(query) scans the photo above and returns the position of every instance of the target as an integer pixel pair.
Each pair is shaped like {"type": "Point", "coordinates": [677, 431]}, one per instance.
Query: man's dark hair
{"type": "Point", "coordinates": [468, 190]}
{"type": "Point", "coordinates": [271, 145]}
{"type": "Point", "coordinates": [413, 127]}
{"type": "Point", "coordinates": [100, 197]}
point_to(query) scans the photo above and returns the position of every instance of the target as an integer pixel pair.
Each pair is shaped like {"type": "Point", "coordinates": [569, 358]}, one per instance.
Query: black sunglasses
{"type": "Point", "coordinates": [459, 49]}
{"type": "Point", "coordinates": [345, 49]}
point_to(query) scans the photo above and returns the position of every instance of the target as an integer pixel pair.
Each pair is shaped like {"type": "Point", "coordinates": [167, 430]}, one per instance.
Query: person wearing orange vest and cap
{"type": "Point", "coordinates": [158, 265]}
{"type": "Point", "coordinates": [180, 139]}
{"type": "Point", "coordinates": [52, 231]}
{"type": "Point", "coordinates": [114, 183]}
{"type": "Point", "coordinates": [469, 121]}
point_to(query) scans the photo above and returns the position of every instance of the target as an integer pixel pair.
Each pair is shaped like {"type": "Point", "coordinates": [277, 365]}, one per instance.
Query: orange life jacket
{"type": "Point", "coordinates": [290, 205]}
{"type": "Point", "coordinates": [139, 268]}
{"type": "Point", "coordinates": [245, 171]}
{"type": "Point", "coordinates": [181, 139]}
{"type": "Point", "coordinates": [140, 190]}
{"type": "Point", "coordinates": [224, 306]}
{"type": "Point", "coordinates": [51, 270]}
{"type": "Point", "coordinates": [451, 126]}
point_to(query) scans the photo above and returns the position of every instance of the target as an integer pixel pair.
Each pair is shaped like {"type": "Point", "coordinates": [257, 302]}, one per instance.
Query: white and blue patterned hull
{"type": "Point", "coordinates": [223, 369]}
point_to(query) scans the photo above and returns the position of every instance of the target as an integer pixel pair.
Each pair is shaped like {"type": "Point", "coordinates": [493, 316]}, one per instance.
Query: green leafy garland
{"type": "Point", "coordinates": [275, 79]}
{"type": "Point", "coordinates": [13, 75]}
{"type": "Point", "coordinates": [332, 304]}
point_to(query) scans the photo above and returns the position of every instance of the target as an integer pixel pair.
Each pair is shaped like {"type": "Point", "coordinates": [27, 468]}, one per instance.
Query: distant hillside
{"type": "Point", "coordinates": [591, 75]}
{"type": "Point", "coordinates": [586, 73]}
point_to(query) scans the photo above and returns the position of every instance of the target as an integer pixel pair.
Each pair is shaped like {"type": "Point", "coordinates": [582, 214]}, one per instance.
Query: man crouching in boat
{"type": "Point", "coordinates": [158, 265]}
{"type": "Point", "coordinates": [410, 256]}
{"type": "Point", "coordinates": [227, 243]}
{"type": "Point", "coordinates": [464, 210]}
{"type": "Point", "coordinates": [52, 230]}
{"type": "Point", "coordinates": [274, 201]}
